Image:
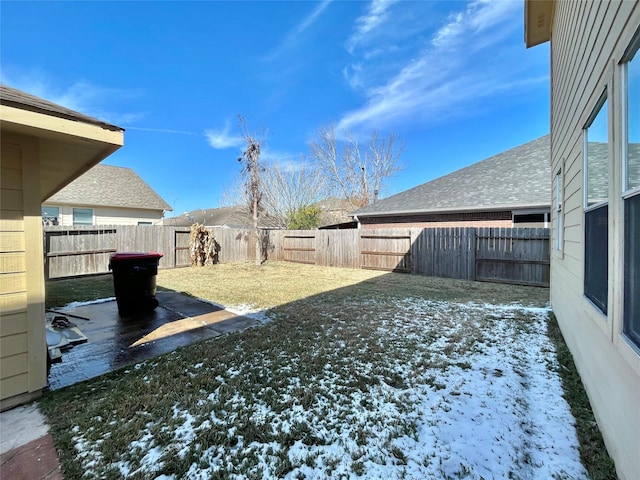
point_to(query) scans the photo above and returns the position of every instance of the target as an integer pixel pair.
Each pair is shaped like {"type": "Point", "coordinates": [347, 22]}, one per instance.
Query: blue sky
{"type": "Point", "coordinates": [451, 78]}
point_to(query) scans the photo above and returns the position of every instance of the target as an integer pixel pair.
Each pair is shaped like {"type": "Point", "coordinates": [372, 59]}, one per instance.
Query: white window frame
{"type": "Point", "coordinates": [628, 192]}
{"type": "Point", "coordinates": [559, 212]}
{"type": "Point", "coordinates": [597, 109]}
{"type": "Point", "coordinates": [73, 216]}
{"type": "Point", "coordinates": [632, 50]}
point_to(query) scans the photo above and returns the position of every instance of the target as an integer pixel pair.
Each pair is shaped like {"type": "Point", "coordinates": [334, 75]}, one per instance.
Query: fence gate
{"type": "Point", "coordinates": [516, 256]}
{"type": "Point", "coordinates": [385, 251]}
{"type": "Point", "coordinates": [182, 255]}
{"type": "Point", "coordinates": [300, 247]}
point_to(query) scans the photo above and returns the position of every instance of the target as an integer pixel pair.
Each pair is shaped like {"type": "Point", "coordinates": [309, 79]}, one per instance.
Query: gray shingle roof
{"type": "Point", "coordinates": [517, 178]}
{"type": "Point", "coordinates": [109, 186]}
{"type": "Point", "coordinates": [235, 217]}
{"type": "Point", "coordinates": [16, 98]}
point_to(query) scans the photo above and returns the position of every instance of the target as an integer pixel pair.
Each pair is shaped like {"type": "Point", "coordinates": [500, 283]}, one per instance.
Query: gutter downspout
{"type": "Point", "coordinates": [355, 217]}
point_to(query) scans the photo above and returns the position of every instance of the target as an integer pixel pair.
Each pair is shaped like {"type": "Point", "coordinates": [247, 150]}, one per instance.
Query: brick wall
{"type": "Point", "coordinates": [498, 219]}
{"type": "Point", "coordinates": [443, 224]}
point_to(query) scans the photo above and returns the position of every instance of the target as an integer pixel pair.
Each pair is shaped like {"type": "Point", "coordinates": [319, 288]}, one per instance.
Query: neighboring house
{"type": "Point", "coordinates": [336, 213]}
{"type": "Point", "coordinates": [510, 189]}
{"type": "Point", "coordinates": [44, 147]}
{"type": "Point", "coordinates": [595, 260]}
{"type": "Point", "coordinates": [229, 217]}
{"type": "Point", "coordinates": [105, 195]}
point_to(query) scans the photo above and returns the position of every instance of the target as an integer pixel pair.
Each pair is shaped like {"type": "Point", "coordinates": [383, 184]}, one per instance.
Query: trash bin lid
{"type": "Point", "coordinates": [135, 255]}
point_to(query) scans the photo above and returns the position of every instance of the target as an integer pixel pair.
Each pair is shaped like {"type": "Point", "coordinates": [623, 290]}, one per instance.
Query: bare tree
{"type": "Point", "coordinates": [358, 173]}
{"type": "Point", "coordinates": [288, 188]}
{"type": "Point", "coordinates": [252, 172]}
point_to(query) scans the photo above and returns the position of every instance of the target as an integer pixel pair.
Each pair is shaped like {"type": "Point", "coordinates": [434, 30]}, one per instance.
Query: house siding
{"type": "Point", "coordinates": [110, 215]}
{"type": "Point", "coordinates": [587, 43]}
{"type": "Point", "coordinates": [22, 341]}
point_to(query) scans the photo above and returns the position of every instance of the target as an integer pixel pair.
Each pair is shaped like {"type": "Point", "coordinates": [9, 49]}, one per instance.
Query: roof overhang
{"type": "Point", "coordinates": [67, 148]}
{"type": "Point", "coordinates": [538, 19]}
{"type": "Point", "coordinates": [444, 211]}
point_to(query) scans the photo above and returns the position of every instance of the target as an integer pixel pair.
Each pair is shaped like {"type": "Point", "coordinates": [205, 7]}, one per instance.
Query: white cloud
{"type": "Point", "coordinates": [351, 74]}
{"type": "Point", "coordinates": [479, 16]}
{"type": "Point", "coordinates": [221, 139]}
{"type": "Point", "coordinates": [293, 35]}
{"type": "Point", "coordinates": [367, 23]}
{"type": "Point", "coordinates": [442, 76]}
{"type": "Point", "coordinates": [278, 156]}
{"type": "Point", "coordinates": [160, 130]}
{"type": "Point", "coordinates": [312, 17]}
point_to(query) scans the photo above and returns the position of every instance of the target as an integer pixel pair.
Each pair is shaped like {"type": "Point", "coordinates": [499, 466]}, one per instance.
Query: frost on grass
{"type": "Point", "coordinates": [412, 389]}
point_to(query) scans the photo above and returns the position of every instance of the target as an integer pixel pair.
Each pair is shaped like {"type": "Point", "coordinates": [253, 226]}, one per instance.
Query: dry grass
{"type": "Point", "coordinates": [275, 284]}
{"type": "Point", "coordinates": [310, 306]}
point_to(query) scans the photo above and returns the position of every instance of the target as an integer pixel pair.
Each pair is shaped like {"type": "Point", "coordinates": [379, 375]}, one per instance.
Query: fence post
{"type": "Point", "coordinates": [473, 238]}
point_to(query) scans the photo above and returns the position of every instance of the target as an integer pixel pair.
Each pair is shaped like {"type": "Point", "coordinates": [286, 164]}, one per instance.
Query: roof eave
{"type": "Point", "coordinates": [493, 208]}
{"type": "Point", "coordinates": [538, 20]}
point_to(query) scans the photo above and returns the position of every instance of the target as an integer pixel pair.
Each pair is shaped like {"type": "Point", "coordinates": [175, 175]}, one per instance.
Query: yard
{"type": "Point", "coordinates": [352, 373]}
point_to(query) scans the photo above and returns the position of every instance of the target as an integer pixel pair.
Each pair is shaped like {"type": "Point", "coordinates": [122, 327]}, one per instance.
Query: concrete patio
{"type": "Point", "coordinates": [27, 450]}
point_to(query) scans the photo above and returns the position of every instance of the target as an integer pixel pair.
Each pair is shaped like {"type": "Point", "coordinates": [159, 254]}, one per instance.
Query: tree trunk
{"type": "Point", "coordinates": [256, 233]}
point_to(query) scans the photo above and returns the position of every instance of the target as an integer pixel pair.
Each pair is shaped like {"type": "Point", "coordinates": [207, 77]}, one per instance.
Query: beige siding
{"type": "Point", "coordinates": [588, 40]}
{"type": "Point", "coordinates": [13, 281]}
{"type": "Point", "coordinates": [112, 215]}
{"type": "Point", "coordinates": [126, 216]}
{"type": "Point", "coordinates": [22, 338]}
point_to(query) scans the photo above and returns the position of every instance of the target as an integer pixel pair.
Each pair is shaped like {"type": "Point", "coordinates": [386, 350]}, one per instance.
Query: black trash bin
{"type": "Point", "coordinates": [134, 281]}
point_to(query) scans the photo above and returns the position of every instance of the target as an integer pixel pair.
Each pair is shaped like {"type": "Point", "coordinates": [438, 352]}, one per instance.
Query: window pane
{"type": "Point", "coordinates": [82, 216]}
{"type": "Point", "coordinates": [50, 215]}
{"type": "Point", "coordinates": [633, 104]}
{"type": "Point", "coordinates": [596, 277]}
{"type": "Point", "coordinates": [632, 269]}
{"type": "Point", "coordinates": [597, 158]}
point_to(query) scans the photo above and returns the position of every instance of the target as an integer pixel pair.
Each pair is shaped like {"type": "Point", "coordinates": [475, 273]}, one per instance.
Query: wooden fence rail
{"type": "Point", "coordinates": [518, 256]}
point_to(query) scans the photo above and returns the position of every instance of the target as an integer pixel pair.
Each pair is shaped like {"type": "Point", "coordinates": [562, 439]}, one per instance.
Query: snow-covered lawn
{"type": "Point", "coordinates": [369, 388]}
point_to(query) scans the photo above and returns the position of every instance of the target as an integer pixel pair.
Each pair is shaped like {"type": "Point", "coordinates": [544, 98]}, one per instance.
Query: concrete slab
{"type": "Point", "coordinates": [26, 448]}
{"type": "Point", "coordinates": [21, 425]}
{"type": "Point", "coordinates": [116, 342]}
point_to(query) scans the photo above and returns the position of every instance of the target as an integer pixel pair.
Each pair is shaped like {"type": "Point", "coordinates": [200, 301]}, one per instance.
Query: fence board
{"type": "Point", "coordinates": [516, 256]}
{"type": "Point", "coordinates": [299, 246]}
{"type": "Point", "coordinates": [386, 249]}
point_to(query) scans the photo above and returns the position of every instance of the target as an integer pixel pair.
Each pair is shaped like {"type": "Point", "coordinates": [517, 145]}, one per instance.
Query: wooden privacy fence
{"type": "Point", "coordinates": [518, 256]}
{"type": "Point", "coordinates": [84, 250]}
{"type": "Point", "coordinates": [509, 255]}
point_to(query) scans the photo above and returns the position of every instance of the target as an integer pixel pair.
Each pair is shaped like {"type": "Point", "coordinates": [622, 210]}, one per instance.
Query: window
{"type": "Point", "coordinates": [83, 216]}
{"type": "Point", "coordinates": [631, 196]}
{"type": "Point", "coordinates": [50, 215]}
{"type": "Point", "coordinates": [559, 222]}
{"type": "Point", "coordinates": [530, 218]}
{"type": "Point", "coordinates": [596, 216]}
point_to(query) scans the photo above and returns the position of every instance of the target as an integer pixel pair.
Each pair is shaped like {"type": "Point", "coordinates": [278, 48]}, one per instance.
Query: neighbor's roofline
{"type": "Point", "coordinates": [494, 208]}
{"type": "Point", "coordinates": [66, 203]}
